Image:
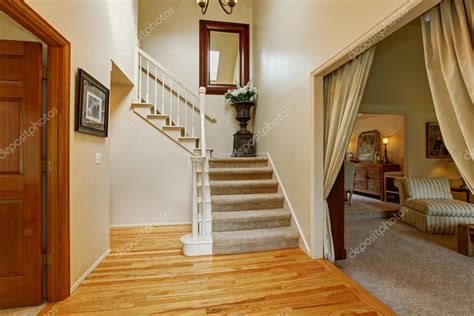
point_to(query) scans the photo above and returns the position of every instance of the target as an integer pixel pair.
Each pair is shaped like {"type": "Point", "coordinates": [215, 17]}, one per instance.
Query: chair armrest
{"type": "Point", "coordinates": [401, 188]}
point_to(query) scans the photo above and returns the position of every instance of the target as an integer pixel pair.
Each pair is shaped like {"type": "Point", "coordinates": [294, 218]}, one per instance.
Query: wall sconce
{"type": "Point", "coordinates": [385, 154]}
{"type": "Point", "coordinates": [203, 4]}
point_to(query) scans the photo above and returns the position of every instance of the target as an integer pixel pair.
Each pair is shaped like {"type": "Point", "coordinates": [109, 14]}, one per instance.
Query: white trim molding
{"type": "Point", "coordinates": [287, 200]}
{"type": "Point", "coordinates": [89, 271]}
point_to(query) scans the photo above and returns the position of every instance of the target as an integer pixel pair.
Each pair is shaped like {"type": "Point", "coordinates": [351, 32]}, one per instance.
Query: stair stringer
{"type": "Point", "coordinates": [140, 110]}
{"type": "Point", "coordinates": [303, 243]}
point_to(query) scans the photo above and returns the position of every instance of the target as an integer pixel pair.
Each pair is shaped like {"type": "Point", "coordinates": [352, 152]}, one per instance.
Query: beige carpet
{"type": "Point", "coordinates": [412, 272]}
{"type": "Point", "coordinates": [365, 207]}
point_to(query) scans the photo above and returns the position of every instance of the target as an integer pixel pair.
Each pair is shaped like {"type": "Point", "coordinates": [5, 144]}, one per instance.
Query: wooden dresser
{"type": "Point", "coordinates": [369, 177]}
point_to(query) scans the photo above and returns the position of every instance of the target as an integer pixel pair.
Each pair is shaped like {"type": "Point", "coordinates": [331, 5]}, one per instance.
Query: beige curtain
{"type": "Point", "coordinates": [343, 91]}
{"type": "Point", "coordinates": [448, 42]}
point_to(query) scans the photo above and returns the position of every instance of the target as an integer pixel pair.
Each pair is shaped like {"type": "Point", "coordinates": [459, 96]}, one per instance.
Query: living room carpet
{"type": "Point", "coordinates": [412, 272]}
{"type": "Point", "coordinates": [365, 207]}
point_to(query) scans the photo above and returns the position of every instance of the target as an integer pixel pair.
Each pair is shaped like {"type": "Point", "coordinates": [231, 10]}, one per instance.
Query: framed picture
{"type": "Point", "coordinates": [435, 147]}
{"type": "Point", "coordinates": [92, 110]}
{"type": "Point", "coordinates": [368, 145]}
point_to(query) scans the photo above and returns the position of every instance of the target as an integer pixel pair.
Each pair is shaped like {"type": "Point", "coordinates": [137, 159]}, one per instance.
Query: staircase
{"type": "Point", "coordinates": [237, 205]}
{"type": "Point", "coordinates": [248, 212]}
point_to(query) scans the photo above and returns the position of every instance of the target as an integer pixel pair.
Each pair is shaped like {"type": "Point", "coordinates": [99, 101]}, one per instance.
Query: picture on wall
{"type": "Point", "coordinates": [92, 110]}
{"type": "Point", "coordinates": [435, 147]}
{"type": "Point", "coordinates": [368, 145]}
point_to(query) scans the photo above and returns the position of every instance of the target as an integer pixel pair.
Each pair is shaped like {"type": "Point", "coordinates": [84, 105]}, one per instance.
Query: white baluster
{"type": "Point", "coordinates": [147, 81]}
{"type": "Point", "coordinates": [163, 94]}
{"type": "Point", "coordinates": [177, 120]}
{"type": "Point", "coordinates": [155, 84]}
{"type": "Point", "coordinates": [203, 199]}
{"type": "Point", "coordinates": [171, 100]}
{"type": "Point", "coordinates": [186, 113]}
{"type": "Point", "coordinates": [193, 115]}
{"type": "Point", "coordinates": [140, 78]}
{"type": "Point", "coordinates": [195, 229]}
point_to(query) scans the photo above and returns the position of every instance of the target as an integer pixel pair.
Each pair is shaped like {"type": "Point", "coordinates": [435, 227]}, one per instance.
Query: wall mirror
{"type": "Point", "coordinates": [224, 55]}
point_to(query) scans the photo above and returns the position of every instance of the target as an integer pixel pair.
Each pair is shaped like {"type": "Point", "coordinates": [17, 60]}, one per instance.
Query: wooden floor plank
{"type": "Point", "coordinates": [147, 274]}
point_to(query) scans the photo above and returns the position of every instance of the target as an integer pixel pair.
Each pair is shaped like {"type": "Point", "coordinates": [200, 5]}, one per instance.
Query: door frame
{"type": "Point", "coordinates": [400, 17]}
{"type": "Point", "coordinates": [58, 130]}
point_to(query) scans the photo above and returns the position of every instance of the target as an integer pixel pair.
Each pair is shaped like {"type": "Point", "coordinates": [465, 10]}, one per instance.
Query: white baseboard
{"type": "Point", "coordinates": [293, 215]}
{"type": "Point", "coordinates": [91, 268]}
{"type": "Point", "coordinates": [148, 224]}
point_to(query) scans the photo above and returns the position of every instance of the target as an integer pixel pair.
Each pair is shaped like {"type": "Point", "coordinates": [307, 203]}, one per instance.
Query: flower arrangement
{"type": "Point", "coordinates": [248, 93]}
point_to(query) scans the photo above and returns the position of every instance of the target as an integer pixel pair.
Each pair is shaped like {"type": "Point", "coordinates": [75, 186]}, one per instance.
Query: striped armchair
{"type": "Point", "coordinates": [429, 205]}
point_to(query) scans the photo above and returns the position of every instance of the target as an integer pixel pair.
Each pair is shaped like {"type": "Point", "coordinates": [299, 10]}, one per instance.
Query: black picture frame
{"type": "Point", "coordinates": [92, 105]}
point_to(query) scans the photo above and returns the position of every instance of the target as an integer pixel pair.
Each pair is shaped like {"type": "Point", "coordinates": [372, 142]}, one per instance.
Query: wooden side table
{"type": "Point", "coordinates": [391, 192]}
{"type": "Point", "coordinates": [462, 190]}
{"type": "Point", "coordinates": [466, 239]}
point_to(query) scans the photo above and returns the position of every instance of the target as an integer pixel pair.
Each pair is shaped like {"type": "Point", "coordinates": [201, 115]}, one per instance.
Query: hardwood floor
{"type": "Point", "coordinates": [147, 274]}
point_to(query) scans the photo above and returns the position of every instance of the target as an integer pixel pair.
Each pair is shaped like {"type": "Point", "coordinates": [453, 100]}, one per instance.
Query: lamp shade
{"type": "Point", "coordinates": [385, 140]}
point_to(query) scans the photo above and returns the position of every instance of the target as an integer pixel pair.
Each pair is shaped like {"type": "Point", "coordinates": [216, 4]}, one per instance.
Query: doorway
{"type": "Point", "coordinates": [56, 167]}
{"type": "Point", "coordinates": [370, 186]}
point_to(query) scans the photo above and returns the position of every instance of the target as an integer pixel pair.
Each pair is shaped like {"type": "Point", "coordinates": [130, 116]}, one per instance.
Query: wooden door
{"type": "Point", "coordinates": [20, 174]}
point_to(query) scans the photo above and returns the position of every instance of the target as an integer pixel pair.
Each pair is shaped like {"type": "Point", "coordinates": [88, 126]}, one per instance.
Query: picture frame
{"type": "Point", "coordinates": [368, 144]}
{"type": "Point", "coordinates": [435, 146]}
{"type": "Point", "coordinates": [92, 105]}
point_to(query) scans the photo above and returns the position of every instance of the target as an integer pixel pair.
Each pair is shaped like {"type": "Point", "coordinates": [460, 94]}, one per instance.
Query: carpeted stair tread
{"type": "Point", "coordinates": [238, 162]}
{"type": "Point", "coordinates": [240, 159]}
{"type": "Point", "coordinates": [249, 220]}
{"type": "Point", "coordinates": [267, 235]}
{"type": "Point", "coordinates": [243, 198]}
{"type": "Point", "coordinates": [244, 202]}
{"type": "Point", "coordinates": [249, 173]}
{"type": "Point", "coordinates": [254, 247]}
{"type": "Point", "coordinates": [240, 170]}
{"type": "Point", "coordinates": [244, 183]}
{"type": "Point", "coordinates": [230, 187]}
{"type": "Point", "coordinates": [248, 216]}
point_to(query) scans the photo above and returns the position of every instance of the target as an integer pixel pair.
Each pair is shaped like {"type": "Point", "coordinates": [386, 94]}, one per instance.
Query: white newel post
{"type": "Point", "coordinates": [199, 243]}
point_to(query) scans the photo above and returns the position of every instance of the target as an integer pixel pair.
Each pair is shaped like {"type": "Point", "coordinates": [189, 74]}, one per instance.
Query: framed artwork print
{"type": "Point", "coordinates": [435, 147]}
{"type": "Point", "coordinates": [367, 146]}
{"type": "Point", "coordinates": [92, 110]}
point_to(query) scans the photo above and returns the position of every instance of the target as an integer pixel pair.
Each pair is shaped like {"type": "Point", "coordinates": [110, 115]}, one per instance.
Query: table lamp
{"type": "Point", "coordinates": [385, 156]}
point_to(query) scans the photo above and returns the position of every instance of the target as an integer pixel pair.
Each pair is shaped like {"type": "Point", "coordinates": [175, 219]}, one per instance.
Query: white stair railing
{"type": "Point", "coordinates": [169, 95]}
{"type": "Point", "coordinates": [183, 111]}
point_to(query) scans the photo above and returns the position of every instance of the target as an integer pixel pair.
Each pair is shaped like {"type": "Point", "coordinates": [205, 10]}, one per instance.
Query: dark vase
{"type": "Point", "coordinates": [244, 143]}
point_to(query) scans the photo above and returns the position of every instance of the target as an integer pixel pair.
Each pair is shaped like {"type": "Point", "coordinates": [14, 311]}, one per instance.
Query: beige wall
{"type": "Point", "coordinates": [391, 126]}
{"type": "Point", "coordinates": [398, 84]}
{"type": "Point", "coordinates": [291, 40]}
{"type": "Point", "coordinates": [11, 30]}
{"type": "Point", "coordinates": [175, 43]}
{"type": "Point", "coordinates": [99, 32]}
{"type": "Point", "coordinates": [150, 175]}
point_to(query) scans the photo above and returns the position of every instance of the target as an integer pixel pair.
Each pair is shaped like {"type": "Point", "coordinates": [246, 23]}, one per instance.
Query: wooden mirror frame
{"type": "Point", "coordinates": [205, 29]}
